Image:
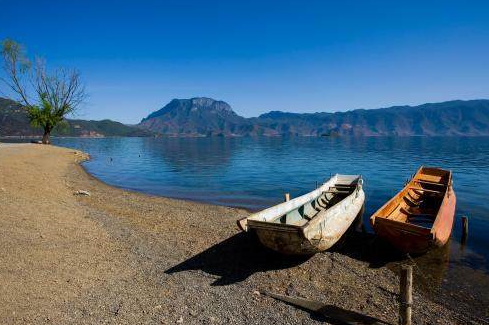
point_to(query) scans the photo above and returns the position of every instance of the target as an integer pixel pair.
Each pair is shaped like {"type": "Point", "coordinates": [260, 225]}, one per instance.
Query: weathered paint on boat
{"type": "Point", "coordinates": [312, 222]}
{"type": "Point", "coordinates": [421, 215]}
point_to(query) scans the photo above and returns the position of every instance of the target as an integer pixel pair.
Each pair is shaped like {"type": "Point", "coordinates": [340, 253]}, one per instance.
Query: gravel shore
{"type": "Point", "coordinates": [127, 258]}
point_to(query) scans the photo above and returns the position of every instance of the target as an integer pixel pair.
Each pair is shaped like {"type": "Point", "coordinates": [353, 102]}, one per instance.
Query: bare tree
{"type": "Point", "coordinates": [48, 98]}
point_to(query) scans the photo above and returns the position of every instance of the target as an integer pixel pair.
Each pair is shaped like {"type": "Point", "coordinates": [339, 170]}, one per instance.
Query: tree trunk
{"type": "Point", "coordinates": [45, 137]}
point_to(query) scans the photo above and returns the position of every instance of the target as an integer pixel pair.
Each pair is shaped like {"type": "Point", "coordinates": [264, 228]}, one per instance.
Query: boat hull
{"type": "Point", "coordinates": [293, 240]}
{"type": "Point", "coordinates": [442, 228]}
{"type": "Point", "coordinates": [310, 223]}
{"type": "Point", "coordinates": [413, 239]}
{"type": "Point", "coordinates": [403, 238]}
{"type": "Point", "coordinates": [295, 243]}
{"type": "Point", "coordinates": [287, 242]}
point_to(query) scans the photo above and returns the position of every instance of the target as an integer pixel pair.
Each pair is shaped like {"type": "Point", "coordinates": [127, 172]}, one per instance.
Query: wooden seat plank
{"type": "Point", "coordinates": [428, 182]}
{"type": "Point", "coordinates": [424, 190]}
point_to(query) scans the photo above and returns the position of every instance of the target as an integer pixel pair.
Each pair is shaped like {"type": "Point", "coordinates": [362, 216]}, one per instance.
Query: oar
{"type": "Point", "coordinates": [329, 311]}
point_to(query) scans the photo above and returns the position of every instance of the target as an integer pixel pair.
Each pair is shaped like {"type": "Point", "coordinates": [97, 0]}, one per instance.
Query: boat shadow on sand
{"type": "Point", "coordinates": [235, 259]}
{"type": "Point", "coordinates": [366, 247]}
{"type": "Point", "coordinates": [361, 245]}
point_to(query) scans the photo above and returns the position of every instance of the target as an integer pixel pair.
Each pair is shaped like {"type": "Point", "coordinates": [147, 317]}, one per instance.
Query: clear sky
{"type": "Point", "coordinates": [300, 56]}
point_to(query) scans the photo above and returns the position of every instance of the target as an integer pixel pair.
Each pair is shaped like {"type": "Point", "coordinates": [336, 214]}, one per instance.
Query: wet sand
{"type": "Point", "coordinates": [123, 257]}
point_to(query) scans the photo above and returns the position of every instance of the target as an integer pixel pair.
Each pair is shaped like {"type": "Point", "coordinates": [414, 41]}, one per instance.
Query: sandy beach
{"type": "Point", "coordinates": [127, 258]}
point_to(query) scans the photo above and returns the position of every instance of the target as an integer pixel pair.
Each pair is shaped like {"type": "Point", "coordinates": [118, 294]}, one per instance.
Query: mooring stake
{"type": "Point", "coordinates": [406, 295]}
{"type": "Point", "coordinates": [287, 197]}
{"type": "Point", "coordinates": [465, 229]}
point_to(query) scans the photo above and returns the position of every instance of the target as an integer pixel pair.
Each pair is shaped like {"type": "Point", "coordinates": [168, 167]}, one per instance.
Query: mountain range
{"type": "Point", "coordinates": [208, 117]}
{"type": "Point", "coordinates": [200, 117]}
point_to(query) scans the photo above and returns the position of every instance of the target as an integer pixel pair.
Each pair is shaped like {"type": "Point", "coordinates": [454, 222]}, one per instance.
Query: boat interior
{"type": "Point", "coordinates": [418, 203]}
{"type": "Point", "coordinates": [328, 198]}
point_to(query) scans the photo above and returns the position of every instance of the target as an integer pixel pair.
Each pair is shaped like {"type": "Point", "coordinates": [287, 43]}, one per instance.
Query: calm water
{"type": "Point", "coordinates": [256, 172]}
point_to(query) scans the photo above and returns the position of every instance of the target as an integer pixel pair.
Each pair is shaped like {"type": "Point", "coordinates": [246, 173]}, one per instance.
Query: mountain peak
{"type": "Point", "coordinates": [209, 103]}
{"type": "Point", "coordinates": [192, 106]}
{"type": "Point", "coordinates": [197, 116]}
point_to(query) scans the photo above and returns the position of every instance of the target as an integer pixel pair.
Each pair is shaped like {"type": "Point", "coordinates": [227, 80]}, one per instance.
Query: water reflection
{"type": "Point", "coordinates": [431, 267]}
{"type": "Point", "coordinates": [194, 154]}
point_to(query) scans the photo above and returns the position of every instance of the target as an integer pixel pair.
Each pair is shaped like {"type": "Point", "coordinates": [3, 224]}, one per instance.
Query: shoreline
{"type": "Point", "coordinates": [126, 256]}
{"type": "Point", "coordinates": [177, 198]}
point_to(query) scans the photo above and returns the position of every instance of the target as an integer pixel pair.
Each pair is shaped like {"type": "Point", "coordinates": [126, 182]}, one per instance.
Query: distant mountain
{"type": "Point", "coordinates": [15, 122]}
{"type": "Point", "coordinates": [447, 118]}
{"type": "Point", "coordinates": [208, 117]}
{"type": "Point", "coordinates": [197, 117]}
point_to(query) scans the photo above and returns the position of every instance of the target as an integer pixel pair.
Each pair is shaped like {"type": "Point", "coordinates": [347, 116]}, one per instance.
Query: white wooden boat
{"type": "Point", "coordinates": [312, 222]}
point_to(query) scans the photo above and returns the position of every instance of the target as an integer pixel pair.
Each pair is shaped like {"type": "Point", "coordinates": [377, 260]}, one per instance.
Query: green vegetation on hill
{"type": "Point", "coordinates": [15, 122]}
{"type": "Point", "coordinates": [108, 128]}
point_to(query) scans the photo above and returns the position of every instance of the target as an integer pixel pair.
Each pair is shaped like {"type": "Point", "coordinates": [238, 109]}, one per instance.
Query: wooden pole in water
{"type": "Point", "coordinates": [406, 295]}
{"type": "Point", "coordinates": [283, 219]}
{"type": "Point", "coordinates": [465, 228]}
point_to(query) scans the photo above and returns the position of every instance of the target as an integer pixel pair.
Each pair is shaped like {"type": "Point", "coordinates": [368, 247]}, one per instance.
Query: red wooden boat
{"type": "Point", "coordinates": [421, 215]}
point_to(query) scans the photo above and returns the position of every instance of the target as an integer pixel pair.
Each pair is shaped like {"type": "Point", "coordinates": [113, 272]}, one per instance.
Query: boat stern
{"type": "Point", "coordinates": [285, 239]}
{"type": "Point", "coordinates": [405, 237]}
{"type": "Point", "coordinates": [242, 223]}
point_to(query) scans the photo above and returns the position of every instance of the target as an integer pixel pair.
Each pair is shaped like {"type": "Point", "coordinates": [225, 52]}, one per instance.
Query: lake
{"type": "Point", "coordinates": [254, 173]}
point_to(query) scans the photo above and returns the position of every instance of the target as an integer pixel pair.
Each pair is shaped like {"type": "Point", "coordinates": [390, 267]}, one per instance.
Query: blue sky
{"type": "Point", "coordinates": [300, 56]}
